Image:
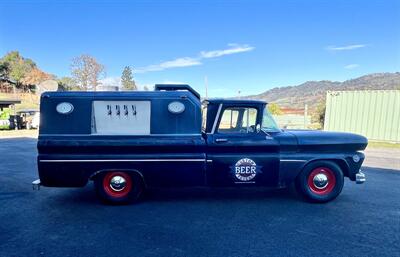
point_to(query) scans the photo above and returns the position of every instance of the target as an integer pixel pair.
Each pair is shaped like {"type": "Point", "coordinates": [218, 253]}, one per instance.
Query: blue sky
{"type": "Point", "coordinates": [249, 46]}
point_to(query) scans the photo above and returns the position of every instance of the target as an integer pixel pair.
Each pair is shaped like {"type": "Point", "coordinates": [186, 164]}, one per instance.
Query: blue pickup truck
{"type": "Point", "coordinates": [129, 141]}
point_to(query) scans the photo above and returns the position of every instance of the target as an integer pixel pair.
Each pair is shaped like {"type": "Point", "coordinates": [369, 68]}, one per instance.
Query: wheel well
{"type": "Point", "coordinates": [135, 173]}
{"type": "Point", "coordinates": [341, 163]}
{"type": "Point", "coordinates": [343, 166]}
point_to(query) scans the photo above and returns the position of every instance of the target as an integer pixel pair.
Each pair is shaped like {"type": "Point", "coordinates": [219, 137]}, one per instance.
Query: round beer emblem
{"type": "Point", "coordinates": [245, 169]}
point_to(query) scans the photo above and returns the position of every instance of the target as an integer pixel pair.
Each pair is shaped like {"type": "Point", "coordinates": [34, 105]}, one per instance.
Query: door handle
{"type": "Point", "coordinates": [220, 140]}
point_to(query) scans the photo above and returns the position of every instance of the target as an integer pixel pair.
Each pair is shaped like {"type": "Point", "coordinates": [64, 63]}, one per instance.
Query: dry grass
{"type": "Point", "coordinates": [28, 101]}
{"type": "Point", "coordinates": [18, 133]}
{"type": "Point", "coordinates": [372, 144]}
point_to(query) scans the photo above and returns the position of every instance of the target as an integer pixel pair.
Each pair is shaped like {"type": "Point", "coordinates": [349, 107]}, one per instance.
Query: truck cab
{"type": "Point", "coordinates": [234, 129]}
{"type": "Point", "coordinates": [129, 141]}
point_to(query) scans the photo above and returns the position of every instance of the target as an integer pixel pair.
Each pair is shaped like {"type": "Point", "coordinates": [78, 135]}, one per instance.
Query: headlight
{"type": "Point", "coordinates": [356, 158]}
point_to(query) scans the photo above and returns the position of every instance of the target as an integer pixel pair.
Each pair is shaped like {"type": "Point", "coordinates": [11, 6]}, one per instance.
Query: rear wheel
{"type": "Point", "coordinates": [118, 187]}
{"type": "Point", "coordinates": [320, 181]}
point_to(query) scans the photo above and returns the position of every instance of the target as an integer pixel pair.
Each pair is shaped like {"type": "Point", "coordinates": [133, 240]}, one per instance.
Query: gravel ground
{"type": "Point", "coordinates": [388, 158]}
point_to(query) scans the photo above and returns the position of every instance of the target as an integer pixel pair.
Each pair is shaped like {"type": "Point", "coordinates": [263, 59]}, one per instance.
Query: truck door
{"type": "Point", "coordinates": [239, 152]}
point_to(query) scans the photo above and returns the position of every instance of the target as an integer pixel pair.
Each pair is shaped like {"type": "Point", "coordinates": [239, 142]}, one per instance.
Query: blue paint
{"type": "Point", "coordinates": [177, 152]}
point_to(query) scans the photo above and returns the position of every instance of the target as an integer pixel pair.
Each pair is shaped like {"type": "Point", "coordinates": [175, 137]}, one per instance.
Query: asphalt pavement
{"type": "Point", "coordinates": [363, 221]}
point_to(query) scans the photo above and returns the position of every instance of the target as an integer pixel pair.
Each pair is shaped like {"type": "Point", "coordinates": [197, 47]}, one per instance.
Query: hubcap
{"type": "Point", "coordinates": [320, 181]}
{"type": "Point", "coordinates": [117, 183]}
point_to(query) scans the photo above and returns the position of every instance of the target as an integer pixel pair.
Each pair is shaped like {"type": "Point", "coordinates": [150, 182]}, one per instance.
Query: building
{"type": "Point", "coordinates": [371, 113]}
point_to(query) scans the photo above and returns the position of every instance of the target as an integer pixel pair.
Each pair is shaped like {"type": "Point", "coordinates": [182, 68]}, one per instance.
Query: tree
{"type": "Point", "coordinates": [66, 84]}
{"type": "Point", "coordinates": [4, 70]}
{"type": "Point", "coordinates": [274, 109]}
{"type": "Point", "coordinates": [4, 77]}
{"type": "Point", "coordinates": [18, 67]}
{"type": "Point", "coordinates": [127, 79]}
{"type": "Point", "coordinates": [86, 72]}
{"type": "Point", "coordinates": [35, 76]}
{"type": "Point", "coordinates": [319, 114]}
{"type": "Point", "coordinates": [145, 88]}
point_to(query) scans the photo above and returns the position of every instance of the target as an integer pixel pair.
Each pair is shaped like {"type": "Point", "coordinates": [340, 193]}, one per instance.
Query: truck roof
{"type": "Point", "coordinates": [160, 90]}
{"type": "Point", "coordinates": [233, 101]}
{"type": "Point", "coordinates": [120, 94]}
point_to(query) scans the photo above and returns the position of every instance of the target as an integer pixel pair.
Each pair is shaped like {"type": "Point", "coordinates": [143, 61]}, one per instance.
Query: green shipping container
{"type": "Point", "coordinates": [374, 114]}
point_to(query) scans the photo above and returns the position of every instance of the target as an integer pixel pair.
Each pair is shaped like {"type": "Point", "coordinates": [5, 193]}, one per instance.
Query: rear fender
{"type": "Point", "coordinates": [130, 171]}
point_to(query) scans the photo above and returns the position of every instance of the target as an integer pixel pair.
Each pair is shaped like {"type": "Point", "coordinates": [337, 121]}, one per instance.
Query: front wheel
{"type": "Point", "coordinates": [117, 187]}
{"type": "Point", "coordinates": [320, 181]}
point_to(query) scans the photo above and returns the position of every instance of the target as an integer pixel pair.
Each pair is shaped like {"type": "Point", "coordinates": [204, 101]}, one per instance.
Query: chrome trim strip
{"type": "Point", "coordinates": [292, 160]}
{"type": "Point", "coordinates": [216, 119]}
{"type": "Point", "coordinates": [129, 135]}
{"type": "Point", "coordinates": [209, 160]}
{"type": "Point", "coordinates": [129, 160]}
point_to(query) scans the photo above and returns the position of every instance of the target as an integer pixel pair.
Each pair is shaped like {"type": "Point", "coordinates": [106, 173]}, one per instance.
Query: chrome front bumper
{"type": "Point", "coordinates": [360, 177]}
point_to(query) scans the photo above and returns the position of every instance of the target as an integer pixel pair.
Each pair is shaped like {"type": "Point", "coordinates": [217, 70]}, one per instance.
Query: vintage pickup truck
{"type": "Point", "coordinates": [129, 141]}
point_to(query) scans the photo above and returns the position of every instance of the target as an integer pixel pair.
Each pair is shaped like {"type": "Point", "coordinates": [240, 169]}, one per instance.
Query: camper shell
{"type": "Point", "coordinates": [146, 110]}
{"type": "Point", "coordinates": [129, 141]}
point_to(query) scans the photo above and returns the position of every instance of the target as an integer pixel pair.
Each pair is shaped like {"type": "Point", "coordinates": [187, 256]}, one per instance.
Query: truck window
{"type": "Point", "coordinates": [238, 120]}
{"type": "Point", "coordinates": [204, 117]}
{"type": "Point", "coordinates": [268, 122]}
{"type": "Point", "coordinates": [228, 120]}
{"type": "Point", "coordinates": [249, 117]}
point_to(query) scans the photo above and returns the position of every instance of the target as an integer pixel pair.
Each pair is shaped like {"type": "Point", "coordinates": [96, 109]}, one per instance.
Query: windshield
{"type": "Point", "coordinates": [268, 122]}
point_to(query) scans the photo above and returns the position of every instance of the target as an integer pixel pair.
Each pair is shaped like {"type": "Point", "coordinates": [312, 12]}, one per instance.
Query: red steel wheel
{"type": "Point", "coordinates": [117, 184]}
{"type": "Point", "coordinates": [321, 181]}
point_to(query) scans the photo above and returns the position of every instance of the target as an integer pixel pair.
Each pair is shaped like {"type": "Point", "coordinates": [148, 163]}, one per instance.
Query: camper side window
{"type": "Point", "coordinates": [121, 117]}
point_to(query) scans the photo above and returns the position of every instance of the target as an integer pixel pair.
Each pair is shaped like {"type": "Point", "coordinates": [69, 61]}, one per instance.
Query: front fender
{"type": "Point", "coordinates": [291, 167]}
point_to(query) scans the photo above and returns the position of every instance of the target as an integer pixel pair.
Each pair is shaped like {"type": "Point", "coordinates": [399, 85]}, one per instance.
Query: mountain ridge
{"type": "Point", "coordinates": [314, 92]}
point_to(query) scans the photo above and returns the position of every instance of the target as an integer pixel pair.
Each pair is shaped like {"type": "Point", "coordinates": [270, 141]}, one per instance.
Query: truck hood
{"type": "Point", "coordinates": [316, 140]}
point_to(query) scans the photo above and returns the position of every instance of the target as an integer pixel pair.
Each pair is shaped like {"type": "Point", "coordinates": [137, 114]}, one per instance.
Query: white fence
{"type": "Point", "coordinates": [293, 121]}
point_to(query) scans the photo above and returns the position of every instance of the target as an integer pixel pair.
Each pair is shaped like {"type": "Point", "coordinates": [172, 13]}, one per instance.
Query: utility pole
{"type": "Point", "coordinates": [305, 115]}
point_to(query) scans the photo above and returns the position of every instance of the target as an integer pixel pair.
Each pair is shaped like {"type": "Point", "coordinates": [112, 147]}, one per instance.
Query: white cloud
{"type": "Point", "coordinates": [177, 63]}
{"type": "Point", "coordinates": [111, 81]}
{"type": "Point", "coordinates": [344, 48]}
{"type": "Point", "coordinates": [194, 61]}
{"type": "Point", "coordinates": [234, 49]}
{"type": "Point", "coordinates": [351, 66]}
{"type": "Point", "coordinates": [175, 82]}
{"type": "Point", "coordinates": [150, 87]}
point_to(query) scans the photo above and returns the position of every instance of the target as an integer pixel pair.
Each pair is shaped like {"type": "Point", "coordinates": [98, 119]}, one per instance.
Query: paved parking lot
{"type": "Point", "coordinates": [388, 158]}
{"type": "Point", "coordinates": [363, 221]}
